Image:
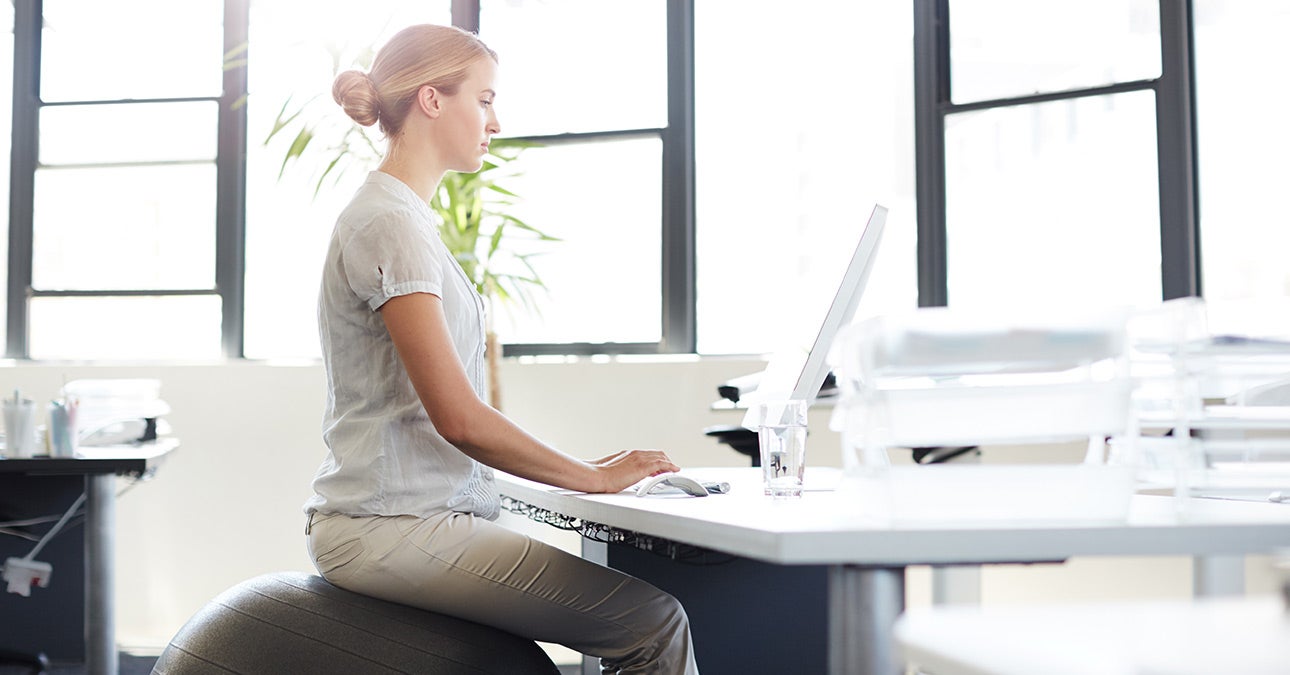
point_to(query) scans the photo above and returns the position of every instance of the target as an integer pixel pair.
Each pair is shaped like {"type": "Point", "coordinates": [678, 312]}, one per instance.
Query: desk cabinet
{"type": "Point", "coordinates": [50, 620]}
{"type": "Point", "coordinates": [745, 616]}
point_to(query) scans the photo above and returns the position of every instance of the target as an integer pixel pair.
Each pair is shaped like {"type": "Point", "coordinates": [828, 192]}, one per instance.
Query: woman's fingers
{"type": "Point", "coordinates": [629, 466]}
{"type": "Point", "coordinates": [609, 458]}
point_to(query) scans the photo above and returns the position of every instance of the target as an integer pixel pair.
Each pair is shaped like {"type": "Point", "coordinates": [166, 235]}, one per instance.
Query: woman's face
{"type": "Point", "coordinates": [467, 120]}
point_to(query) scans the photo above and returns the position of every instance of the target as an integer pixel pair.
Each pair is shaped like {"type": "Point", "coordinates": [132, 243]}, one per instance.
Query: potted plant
{"type": "Point", "coordinates": [492, 246]}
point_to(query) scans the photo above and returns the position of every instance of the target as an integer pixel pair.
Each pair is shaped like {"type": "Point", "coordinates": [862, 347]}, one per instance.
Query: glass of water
{"type": "Point", "coordinates": [781, 435]}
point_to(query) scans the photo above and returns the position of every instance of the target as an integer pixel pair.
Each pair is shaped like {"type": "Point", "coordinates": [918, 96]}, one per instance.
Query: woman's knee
{"type": "Point", "coordinates": [670, 625]}
{"type": "Point", "coordinates": [660, 645]}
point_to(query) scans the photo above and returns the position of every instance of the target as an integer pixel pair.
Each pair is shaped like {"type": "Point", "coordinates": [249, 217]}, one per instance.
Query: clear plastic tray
{"type": "Point", "coordinates": [982, 495]}
{"type": "Point", "coordinates": [939, 377]}
{"type": "Point", "coordinates": [979, 415]}
{"type": "Point", "coordinates": [1236, 468]}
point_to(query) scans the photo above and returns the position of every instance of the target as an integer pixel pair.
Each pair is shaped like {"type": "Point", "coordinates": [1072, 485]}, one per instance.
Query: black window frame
{"type": "Point", "coordinates": [677, 322]}
{"type": "Point", "coordinates": [1175, 132]}
{"type": "Point", "coordinates": [230, 162]}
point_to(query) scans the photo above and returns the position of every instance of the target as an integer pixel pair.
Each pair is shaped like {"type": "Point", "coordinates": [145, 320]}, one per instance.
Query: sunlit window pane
{"type": "Point", "coordinates": [786, 181]}
{"type": "Point", "coordinates": [150, 227]}
{"type": "Point", "coordinates": [95, 50]}
{"type": "Point", "coordinates": [578, 65]}
{"type": "Point", "coordinates": [297, 46]}
{"type": "Point", "coordinates": [140, 132]}
{"type": "Point", "coordinates": [145, 328]}
{"type": "Point", "coordinates": [1241, 104]}
{"type": "Point", "coordinates": [602, 201]}
{"type": "Point", "coordinates": [1002, 48]}
{"type": "Point", "coordinates": [1054, 204]}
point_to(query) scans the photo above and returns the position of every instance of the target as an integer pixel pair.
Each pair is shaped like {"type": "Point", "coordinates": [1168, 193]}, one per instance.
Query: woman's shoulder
{"type": "Point", "coordinates": [374, 206]}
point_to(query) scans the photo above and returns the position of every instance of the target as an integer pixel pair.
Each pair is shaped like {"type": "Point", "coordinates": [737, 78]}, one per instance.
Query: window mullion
{"type": "Point", "coordinates": [1176, 147]}
{"type": "Point", "coordinates": [931, 96]}
{"type": "Point", "coordinates": [678, 274]}
{"type": "Point", "coordinates": [465, 15]}
{"type": "Point", "coordinates": [22, 171]}
{"type": "Point", "coordinates": [230, 168]}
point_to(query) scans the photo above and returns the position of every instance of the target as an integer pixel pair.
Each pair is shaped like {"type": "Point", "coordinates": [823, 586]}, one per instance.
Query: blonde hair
{"type": "Point", "coordinates": [438, 56]}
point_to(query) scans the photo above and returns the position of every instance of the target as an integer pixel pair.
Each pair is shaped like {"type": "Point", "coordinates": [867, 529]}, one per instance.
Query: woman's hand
{"type": "Point", "coordinates": [624, 468]}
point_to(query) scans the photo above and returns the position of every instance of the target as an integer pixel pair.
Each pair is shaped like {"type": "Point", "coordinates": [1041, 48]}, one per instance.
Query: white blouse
{"type": "Point", "coordinates": [384, 455]}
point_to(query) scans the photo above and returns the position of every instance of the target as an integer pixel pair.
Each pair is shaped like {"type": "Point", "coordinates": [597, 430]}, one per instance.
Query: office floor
{"type": "Point", "coordinates": [129, 665]}
{"type": "Point", "coordinates": [142, 665]}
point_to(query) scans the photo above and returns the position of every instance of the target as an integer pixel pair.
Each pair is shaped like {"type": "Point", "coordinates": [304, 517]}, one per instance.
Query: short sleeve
{"type": "Point", "coordinates": [395, 254]}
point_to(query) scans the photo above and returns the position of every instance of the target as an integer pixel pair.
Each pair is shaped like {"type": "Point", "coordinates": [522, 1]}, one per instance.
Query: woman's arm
{"type": "Point", "coordinates": [419, 329]}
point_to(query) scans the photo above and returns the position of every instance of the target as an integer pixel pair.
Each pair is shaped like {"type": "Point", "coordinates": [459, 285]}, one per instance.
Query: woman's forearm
{"type": "Point", "coordinates": [420, 333]}
{"type": "Point", "coordinates": [491, 438]}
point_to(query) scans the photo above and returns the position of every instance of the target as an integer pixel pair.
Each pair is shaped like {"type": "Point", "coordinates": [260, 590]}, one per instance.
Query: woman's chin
{"type": "Point", "coordinates": [466, 167]}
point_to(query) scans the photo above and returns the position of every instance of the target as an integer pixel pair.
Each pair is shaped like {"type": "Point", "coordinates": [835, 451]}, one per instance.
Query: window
{"type": "Point", "coordinates": [613, 177]}
{"type": "Point", "coordinates": [588, 81]}
{"type": "Point", "coordinates": [1007, 48]}
{"type": "Point", "coordinates": [803, 122]}
{"type": "Point", "coordinates": [1054, 203]}
{"type": "Point", "coordinates": [602, 200]}
{"type": "Point", "coordinates": [137, 213]}
{"type": "Point", "coordinates": [578, 66]}
{"type": "Point", "coordinates": [1050, 154]}
{"type": "Point", "coordinates": [117, 253]}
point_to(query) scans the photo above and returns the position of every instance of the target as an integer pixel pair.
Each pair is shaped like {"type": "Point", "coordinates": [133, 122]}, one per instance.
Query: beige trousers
{"type": "Point", "coordinates": [468, 567]}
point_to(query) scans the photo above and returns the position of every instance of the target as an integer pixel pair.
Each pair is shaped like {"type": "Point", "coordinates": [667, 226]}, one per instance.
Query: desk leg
{"type": "Point", "coordinates": [1216, 575]}
{"type": "Point", "coordinates": [100, 606]}
{"type": "Point", "coordinates": [956, 585]}
{"type": "Point", "coordinates": [864, 603]}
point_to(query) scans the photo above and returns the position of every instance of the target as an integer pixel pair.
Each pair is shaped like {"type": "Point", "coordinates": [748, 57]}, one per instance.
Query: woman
{"type": "Point", "coordinates": [405, 499]}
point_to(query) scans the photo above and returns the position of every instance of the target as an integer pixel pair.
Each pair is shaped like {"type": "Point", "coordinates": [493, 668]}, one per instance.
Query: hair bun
{"type": "Point", "coordinates": [356, 94]}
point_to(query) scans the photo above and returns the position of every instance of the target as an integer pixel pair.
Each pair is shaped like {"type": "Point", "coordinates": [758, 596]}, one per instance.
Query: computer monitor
{"type": "Point", "coordinates": [797, 371]}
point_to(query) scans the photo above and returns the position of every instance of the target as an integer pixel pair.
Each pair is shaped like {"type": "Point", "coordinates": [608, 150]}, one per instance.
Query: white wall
{"type": "Point", "coordinates": [223, 507]}
{"type": "Point", "coordinates": [226, 505]}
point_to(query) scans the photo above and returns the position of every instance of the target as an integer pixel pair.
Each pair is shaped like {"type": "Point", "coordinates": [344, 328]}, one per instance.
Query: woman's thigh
{"type": "Point", "coordinates": [472, 568]}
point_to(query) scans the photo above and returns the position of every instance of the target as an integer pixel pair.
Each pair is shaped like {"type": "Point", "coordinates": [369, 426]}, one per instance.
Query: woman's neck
{"type": "Point", "coordinates": [415, 169]}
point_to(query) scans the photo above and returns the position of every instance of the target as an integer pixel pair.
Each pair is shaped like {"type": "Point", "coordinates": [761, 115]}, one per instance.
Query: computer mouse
{"type": "Point", "coordinates": [669, 482]}
{"type": "Point", "coordinates": [661, 482]}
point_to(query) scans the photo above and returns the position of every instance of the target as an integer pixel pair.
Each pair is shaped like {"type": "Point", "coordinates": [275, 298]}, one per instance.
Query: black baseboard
{"type": "Point", "coordinates": [128, 665]}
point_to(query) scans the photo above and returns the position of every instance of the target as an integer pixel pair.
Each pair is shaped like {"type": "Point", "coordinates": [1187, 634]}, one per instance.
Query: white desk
{"type": "Point", "coordinates": [866, 561]}
{"type": "Point", "coordinates": [1230, 635]}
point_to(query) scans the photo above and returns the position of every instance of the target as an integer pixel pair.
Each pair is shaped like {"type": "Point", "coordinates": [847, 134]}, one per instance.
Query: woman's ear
{"type": "Point", "coordinates": [429, 100]}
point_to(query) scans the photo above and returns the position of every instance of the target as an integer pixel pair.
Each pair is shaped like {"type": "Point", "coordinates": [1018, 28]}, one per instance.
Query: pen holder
{"type": "Point", "coordinates": [62, 428]}
{"type": "Point", "coordinates": [19, 427]}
